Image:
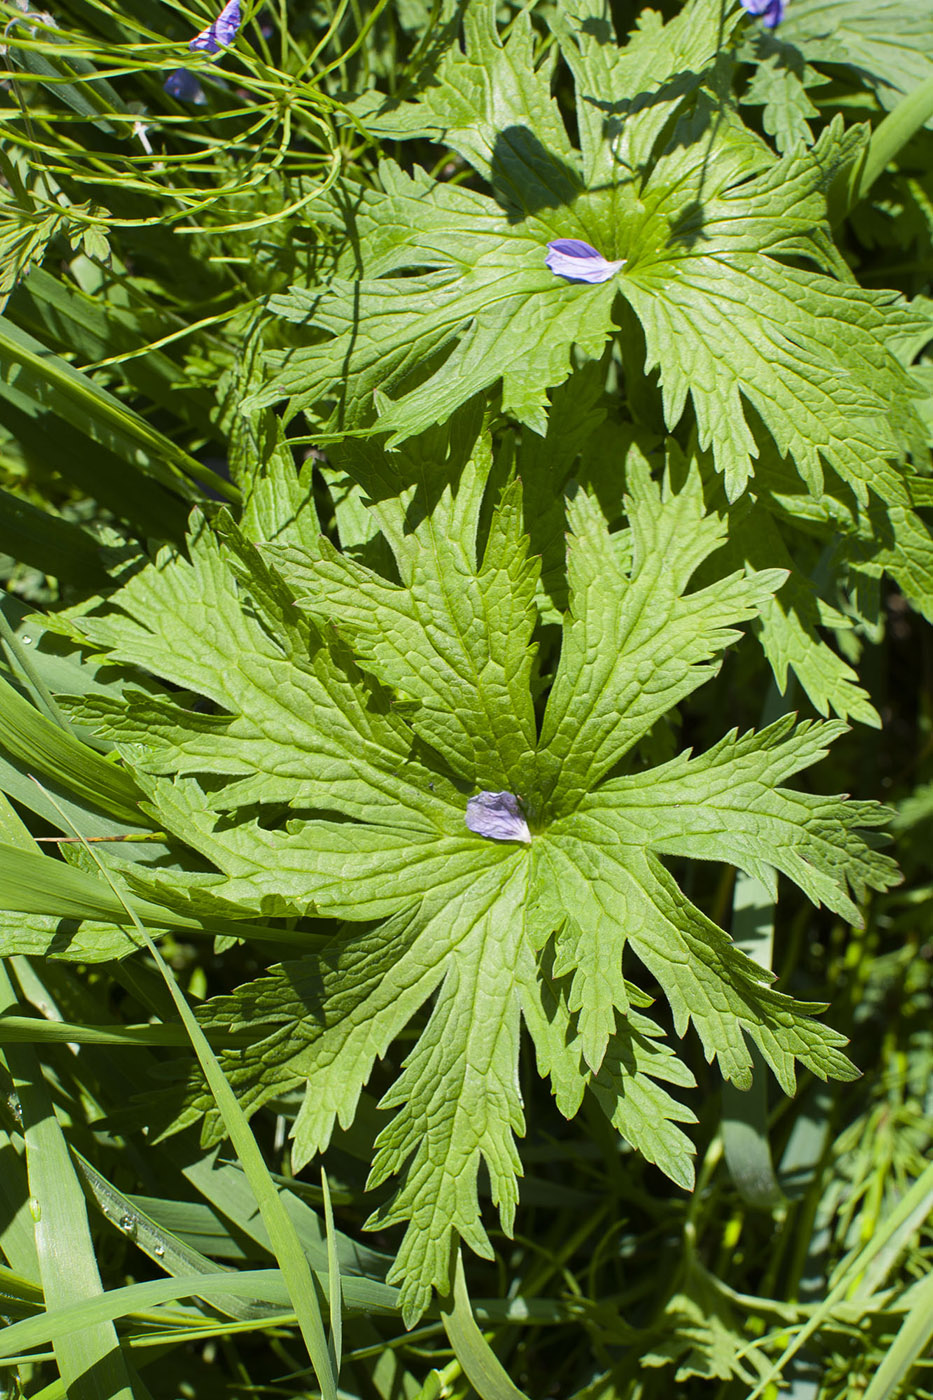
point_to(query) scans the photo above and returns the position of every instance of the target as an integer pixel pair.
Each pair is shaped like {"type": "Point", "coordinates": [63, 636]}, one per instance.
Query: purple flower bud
{"type": "Point", "coordinates": [579, 262]}
{"type": "Point", "coordinates": [223, 30]}
{"type": "Point", "coordinates": [498, 816]}
{"type": "Point", "coordinates": [770, 12]}
{"type": "Point", "coordinates": [185, 87]}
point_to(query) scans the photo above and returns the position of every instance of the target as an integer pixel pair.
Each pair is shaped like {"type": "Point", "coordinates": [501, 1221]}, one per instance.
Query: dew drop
{"type": "Point", "coordinates": [26, 641]}
{"type": "Point", "coordinates": [127, 1223]}
{"type": "Point", "coordinates": [158, 1250]}
{"type": "Point", "coordinates": [35, 1209]}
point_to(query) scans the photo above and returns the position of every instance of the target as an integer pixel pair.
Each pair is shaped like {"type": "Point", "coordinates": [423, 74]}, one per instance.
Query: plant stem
{"type": "Point", "coordinates": [890, 137]}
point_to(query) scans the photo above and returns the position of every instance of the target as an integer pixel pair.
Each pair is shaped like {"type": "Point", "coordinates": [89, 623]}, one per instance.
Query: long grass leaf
{"type": "Point", "coordinates": [745, 1112]}
{"type": "Point", "coordinates": [296, 1271]}
{"type": "Point", "coordinates": [79, 400]}
{"type": "Point", "coordinates": [37, 884]}
{"type": "Point", "coordinates": [333, 1279]}
{"type": "Point", "coordinates": [910, 1344]}
{"type": "Point", "coordinates": [41, 745]}
{"type": "Point", "coordinates": [32, 1030]}
{"type": "Point", "coordinates": [140, 1298]}
{"type": "Point", "coordinates": [480, 1364]}
{"type": "Point", "coordinates": [162, 1246]}
{"type": "Point", "coordinates": [50, 543]}
{"type": "Point", "coordinates": [89, 1361]}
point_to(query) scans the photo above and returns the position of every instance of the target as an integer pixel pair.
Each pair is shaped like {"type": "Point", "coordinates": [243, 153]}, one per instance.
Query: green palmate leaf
{"type": "Point", "coordinates": [728, 266]}
{"type": "Point", "coordinates": [788, 623]}
{"type": "Point", "coordinates": [731, 288]}
{"type": "Point", "coordinates": [468, 670]}
{"type": "Point", "coordinates": [320, 783]}
{"type": "Point", "coordinates": [885, 41]}
{"type": "Point", "coordinates": [888, 538]}
{"type": "Point", "coordinates": [780, 86]}
{"type": "Point", "coordinates": [489, 300]}
{"type": "Point", "coordinates": [669, 636]}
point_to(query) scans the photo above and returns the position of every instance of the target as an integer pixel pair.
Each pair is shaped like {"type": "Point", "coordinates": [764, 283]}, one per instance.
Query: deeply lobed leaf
{"type": "Point", "coordinates": [745, 306]}
{"type": "Point", "coordinates": [331, 773]}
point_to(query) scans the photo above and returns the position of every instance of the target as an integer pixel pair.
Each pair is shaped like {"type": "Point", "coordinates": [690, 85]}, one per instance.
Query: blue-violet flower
{"type": "Point", "coordinates": [579, 261]}
{"type": "Point", "coordinates": [222, 31]}
{"type": "Point", "coordinates": [770, 12]}
{"type": "Point", "coordinates": [497, 816]}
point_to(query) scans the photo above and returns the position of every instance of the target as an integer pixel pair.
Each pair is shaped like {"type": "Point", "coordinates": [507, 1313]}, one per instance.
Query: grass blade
{"type": "Point", "coordinates": [49, 380]}
{"type": "Point", "coordinates": [90, 1362]}
{"type": "Point", "coordinates": [296, 1271]}
{"type": "Point", "coordinates": [745, 1112]}
{"type": "Point", "coordinates": [334, 1292]}
{"type": "Point", "coordinates": [36, 742]}
{"type": "Point", "coordinates": [912, 1340]}
{"type": "Point", "coordinates": [139, 1298]}
{"type": "Point", "coordinates": [481, 1366]}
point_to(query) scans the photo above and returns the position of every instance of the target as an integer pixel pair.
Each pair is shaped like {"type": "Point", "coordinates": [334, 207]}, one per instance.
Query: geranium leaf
{"type": "Point", "coordinates": [723, 253]}
{"type": "Point", "coordinates": [320, 785]}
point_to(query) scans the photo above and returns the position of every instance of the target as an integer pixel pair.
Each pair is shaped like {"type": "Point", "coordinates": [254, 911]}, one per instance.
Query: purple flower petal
{"type": "Point", "coordinates": [498, 816]}
{"type": "Point", "coordinates": [184, 86]}
{"type": "Point", "coordinates": [223, 30]}
{"type": "Point", "coordinates": [770, 12]}
{"type": "Point", "coordinates": [579, 261]}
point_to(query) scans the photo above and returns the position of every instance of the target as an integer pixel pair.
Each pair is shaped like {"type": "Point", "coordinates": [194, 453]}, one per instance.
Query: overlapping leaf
{"type": "Point", "coordinates": [728, 265]}
{"type": "Point", "coordinates": [886, 42]}
{"type": "Point", "coordinates": [372, 712]}
{"type": "Point", "coordinates": [780, 84]}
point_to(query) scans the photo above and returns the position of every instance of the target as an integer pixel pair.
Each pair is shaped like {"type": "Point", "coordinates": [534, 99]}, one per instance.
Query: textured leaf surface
{"type": "Point", "coordinates": [780, 86]}
{"type": "Point", "coordinates": [788, 628]}
{"type": "Point", "coordinates": [316, 785]}
{"type": "Point", "coordinates": [727, 260]}
{"type": "Point", "coordinates": [885, 40]}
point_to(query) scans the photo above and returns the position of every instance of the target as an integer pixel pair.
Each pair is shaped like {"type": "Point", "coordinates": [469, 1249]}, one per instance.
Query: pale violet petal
{"type": "Point", "coordinates": [221, 32]}
{"type": "Point", "coordinates": [579, 262]}
{"type": "Point", "coordinates": [498, 816]}
{"type": "Point", "coordinates": [770, 12]}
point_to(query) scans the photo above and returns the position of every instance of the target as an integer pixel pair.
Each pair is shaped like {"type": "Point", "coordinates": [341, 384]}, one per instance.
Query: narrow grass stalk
{"type": "Point", "coordinates": [296, 1271]}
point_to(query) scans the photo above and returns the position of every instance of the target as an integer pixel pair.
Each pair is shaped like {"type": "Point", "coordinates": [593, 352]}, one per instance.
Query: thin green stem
{"type": "Point", "coordinates": [889, 138]}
